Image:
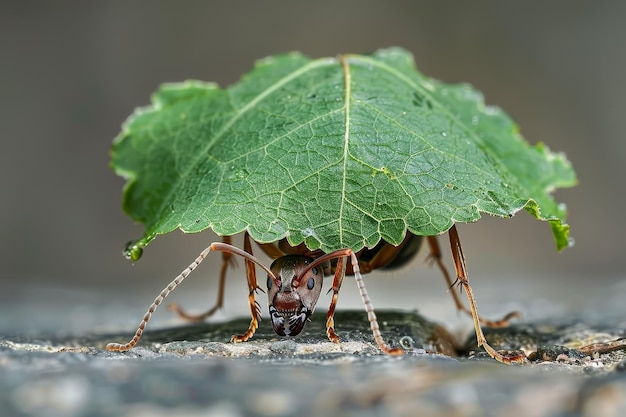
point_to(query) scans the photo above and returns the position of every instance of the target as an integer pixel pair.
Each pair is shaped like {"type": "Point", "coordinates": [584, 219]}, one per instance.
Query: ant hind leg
{"type": "Point", "coordinates": [463, 281]}
{"type": "Point", "coordinates": [436, 257]}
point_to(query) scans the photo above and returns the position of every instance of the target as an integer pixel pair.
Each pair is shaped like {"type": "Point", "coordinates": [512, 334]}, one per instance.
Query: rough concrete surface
{"type": "Point", "coordinates": [193, 370]}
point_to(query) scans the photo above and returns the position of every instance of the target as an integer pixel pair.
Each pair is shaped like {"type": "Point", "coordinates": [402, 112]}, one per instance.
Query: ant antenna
{"type": "Point", "coordinates": [367, 302]}
{"type": "Point", "coordinates": [216, 246]}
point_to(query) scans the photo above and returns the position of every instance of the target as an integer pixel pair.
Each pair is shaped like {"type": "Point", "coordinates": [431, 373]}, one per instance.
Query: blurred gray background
{"type": "Point", "coordinates": [71, 72]}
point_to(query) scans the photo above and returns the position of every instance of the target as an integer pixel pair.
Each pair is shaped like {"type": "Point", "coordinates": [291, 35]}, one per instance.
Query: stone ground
{"type": "Point", "coordinates": [576, 367]}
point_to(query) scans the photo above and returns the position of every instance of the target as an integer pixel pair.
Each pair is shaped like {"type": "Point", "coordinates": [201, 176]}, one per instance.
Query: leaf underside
{"type": "Point", "coordinates": [336, 152]}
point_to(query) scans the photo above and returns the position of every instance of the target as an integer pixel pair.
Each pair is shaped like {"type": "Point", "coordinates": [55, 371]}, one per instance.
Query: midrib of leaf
{"type": "Point", "coordinates": [236, 116]}
{"type": "Point", "coordinates": [346, 72]}
{"type": "Point", "coordinates": [443, 109]}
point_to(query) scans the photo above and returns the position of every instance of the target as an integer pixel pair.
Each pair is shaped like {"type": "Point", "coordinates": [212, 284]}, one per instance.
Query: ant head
{"type": "Point", "coordinates": [293, 292]}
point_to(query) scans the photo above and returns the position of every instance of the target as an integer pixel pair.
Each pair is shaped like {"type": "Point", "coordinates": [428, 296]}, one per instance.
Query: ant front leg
{"type": "Point", "coordinates": [255, 308]}
{"type": "Point", "coordinates": [462, 280]}
{"type": "Point", "coordinates": [226, 260]}
{"type": "Point", "coordinates": [435, 255]}
{"type": "Point", "coordinates": [340, 273]}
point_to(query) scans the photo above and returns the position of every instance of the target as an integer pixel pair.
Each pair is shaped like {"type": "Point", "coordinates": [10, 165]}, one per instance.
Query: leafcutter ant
{"type": "Point", "coordinates": [294, 283]}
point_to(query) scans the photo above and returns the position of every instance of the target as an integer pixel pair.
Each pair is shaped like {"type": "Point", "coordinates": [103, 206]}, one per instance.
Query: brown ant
{"type": "Point", "coordinates": [294, 283]}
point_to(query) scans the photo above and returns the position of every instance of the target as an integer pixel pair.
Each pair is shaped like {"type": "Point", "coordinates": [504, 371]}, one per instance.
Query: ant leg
{"type": "Point", "coordinates": [226, 260]}
{"type": "Point", "coordinates": [340, 273]}
{"type": "Point", "coordinates": [462, 280]}
{"type": "Point", "coordinates": [435, 256]}
{"type": "Point", "coordinates": [255, 308]}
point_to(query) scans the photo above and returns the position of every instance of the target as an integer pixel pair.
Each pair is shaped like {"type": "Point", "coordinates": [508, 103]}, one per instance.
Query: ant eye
{"type": "Point", "coordinates": [314, 270]}
{"type": "Point", "coordinates": [269, 283]}
{"type": "Point", "coordinates": [310, 283]}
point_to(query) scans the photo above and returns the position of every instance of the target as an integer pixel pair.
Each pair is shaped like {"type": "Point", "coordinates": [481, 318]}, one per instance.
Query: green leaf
{"type": "Point", "coordinates": [337, 152]}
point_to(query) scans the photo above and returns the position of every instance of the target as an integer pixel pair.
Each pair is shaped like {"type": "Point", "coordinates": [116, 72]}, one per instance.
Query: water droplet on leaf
{"type": "Point", "coordinates": [132, 251]}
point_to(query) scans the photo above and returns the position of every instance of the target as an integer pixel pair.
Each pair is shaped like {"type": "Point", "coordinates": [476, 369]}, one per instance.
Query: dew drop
{"type": "Point", "coordinates": [444, 134]}
{"type": "Point", "coordinates": [132, 251]}
{"type": "Point", "coordinates": [570, 242]}
{"type": "Point", "coordinates": [241, 174]}
{"type": "Point", "coordinates": [235, 174]}
{"type": "Point", "coordinates": [407, 342]}
{"type": "Point", "coordinates": [491, 110]}
{"type": "Point", "coordinates": [277, 227]}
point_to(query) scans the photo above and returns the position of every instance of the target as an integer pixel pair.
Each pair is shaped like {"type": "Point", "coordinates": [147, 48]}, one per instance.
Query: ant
{"type": "Point", "coordinates": [294, 284]}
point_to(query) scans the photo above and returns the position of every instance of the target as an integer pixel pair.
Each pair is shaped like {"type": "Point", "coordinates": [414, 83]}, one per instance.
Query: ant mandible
{"type": "Point", "coordinates": [294, 283]}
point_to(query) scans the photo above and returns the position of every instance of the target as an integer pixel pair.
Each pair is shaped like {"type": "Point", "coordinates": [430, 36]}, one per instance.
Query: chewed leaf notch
{"type": "Point", "coordinates": [336, 152]}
